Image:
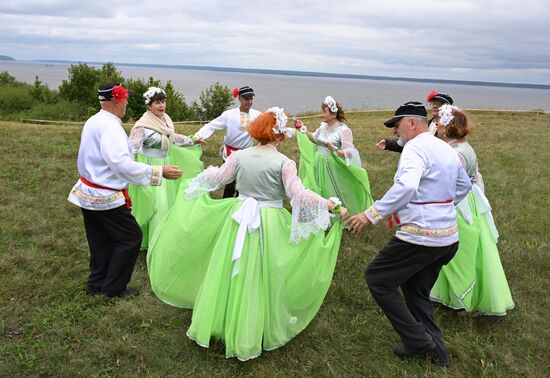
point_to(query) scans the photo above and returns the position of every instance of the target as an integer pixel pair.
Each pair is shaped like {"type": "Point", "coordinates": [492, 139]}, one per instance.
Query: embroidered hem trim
{"type": "Point", "coordinates": [430, 232]}
{"type": "Point", "coordinates": [374, 214]}
{"type": "Point", "coordinates": [97, 200]}
{"type": "Point", "coordinates": [156, 176]}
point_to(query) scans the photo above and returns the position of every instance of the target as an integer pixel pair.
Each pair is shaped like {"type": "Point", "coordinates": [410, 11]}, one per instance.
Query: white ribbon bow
{"type": "Point", "coordinates": [248, 218]}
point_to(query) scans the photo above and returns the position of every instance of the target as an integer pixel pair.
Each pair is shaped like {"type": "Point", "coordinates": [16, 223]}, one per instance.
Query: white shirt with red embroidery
{"type": "Point", "coordinates": [429, 174]}
{"type": "Point", "coordinates": [104, 158]}
{"type": "Point", "coordinates": [235, 123]}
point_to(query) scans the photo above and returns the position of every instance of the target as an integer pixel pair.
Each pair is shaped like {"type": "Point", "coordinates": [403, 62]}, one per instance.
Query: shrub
{"type": "Point", "coordinates": [7, 79]}
{"type": "Point", "coordinates": [15, 99]}
{"type": "Point", "coordinates": [214, 101]}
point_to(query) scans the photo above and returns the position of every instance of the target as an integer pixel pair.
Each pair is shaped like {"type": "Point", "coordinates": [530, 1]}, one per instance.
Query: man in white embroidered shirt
{"type": "Point", "coordinates": [106, 167]}
{"type": "Point", "coordinates": [235, 123]}
{"type": "Point", "coordinates": [429, 179]}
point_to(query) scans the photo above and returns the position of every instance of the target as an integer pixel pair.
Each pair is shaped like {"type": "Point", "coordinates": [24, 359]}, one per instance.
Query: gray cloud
{"type": "Point", "coordinates": [457, 39]}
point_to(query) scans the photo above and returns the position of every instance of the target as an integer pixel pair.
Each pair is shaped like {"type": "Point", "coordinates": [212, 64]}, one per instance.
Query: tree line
{"type": "Point", "coordinates": [76, 98]}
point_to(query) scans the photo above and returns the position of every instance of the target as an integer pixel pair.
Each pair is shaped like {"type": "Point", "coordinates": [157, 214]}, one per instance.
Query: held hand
{"type": "Point", "coordinates": [381, 144]}
{"type": "Point", "coordinates": [357, 223]}
{"type": "Point", "coordinates": [344, 214]}
{"type": "Point", "coordinates": [171, 172]}
{"type": "Point", "coordinates": [330, 146]}
{"type": "Point", "coordinates": [298, 124]}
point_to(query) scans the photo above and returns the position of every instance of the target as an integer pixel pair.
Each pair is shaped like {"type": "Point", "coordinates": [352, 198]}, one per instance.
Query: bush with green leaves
{"type": "Point", "coordinates": [15, 99]}
{"type": "Point", "coordinates": [214, 101]}
{"type": "Point", "coordinates": [7, 79]}
{"type": "Point", "coordinates": [77, 97]}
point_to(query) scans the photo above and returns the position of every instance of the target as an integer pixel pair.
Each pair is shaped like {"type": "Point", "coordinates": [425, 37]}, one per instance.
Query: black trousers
{"type": "Point", "coordinates": [114, 238]}
{"type": "Point", "coordinates": [415, 269]}
{"type": "Point", "coordinates": [230, 191]}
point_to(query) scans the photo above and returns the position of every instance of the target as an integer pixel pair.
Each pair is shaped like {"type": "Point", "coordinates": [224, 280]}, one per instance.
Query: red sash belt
{"type": "Point", "coordinates": [124, 191]}
{"type": "Point", "coordinates": [229, 150]}
{"type": "Point", "coordinates": [393, 220]}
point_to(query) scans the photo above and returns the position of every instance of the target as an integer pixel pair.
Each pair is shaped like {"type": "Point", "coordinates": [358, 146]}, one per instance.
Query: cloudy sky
{"type": "Point", "coordinates": [490, 40]}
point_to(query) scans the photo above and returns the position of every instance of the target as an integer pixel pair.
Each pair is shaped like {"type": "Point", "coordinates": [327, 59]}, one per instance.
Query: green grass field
{"type": "Point", "coordinates": [50, 327]}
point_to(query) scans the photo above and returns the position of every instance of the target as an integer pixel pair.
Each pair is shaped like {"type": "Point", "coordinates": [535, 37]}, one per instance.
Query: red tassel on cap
{"type": "Point", "coordinates": [236, 92]}
{"type": "Point", "coordinates": [431, 95]}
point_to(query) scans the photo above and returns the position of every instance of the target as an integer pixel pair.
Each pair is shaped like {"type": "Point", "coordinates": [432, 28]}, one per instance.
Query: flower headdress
{"type": "Point", "coordinates": [151, 92]}
{"type": "Point", "coordinates": [331, 103]}
{"type": "Point", "coordinates": [235, 93]}
{"type": "Point", "coordinates": [446, 114]}
{"type": "Point", "coordinates": [280, 121]}
{"type": "Point", "coordinates": [119, 93]}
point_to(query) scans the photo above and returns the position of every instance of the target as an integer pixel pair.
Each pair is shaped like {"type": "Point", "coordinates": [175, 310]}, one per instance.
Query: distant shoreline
{"type": "Point", "coordinates": [304, 74]}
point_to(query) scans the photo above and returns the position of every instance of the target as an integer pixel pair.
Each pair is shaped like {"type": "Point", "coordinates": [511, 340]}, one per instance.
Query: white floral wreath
{"type": "Point", "coordinates": [151, 92]}
{"type": "Point", "coordinates": [446, 114]}
{"type": "Point", "coordinates": [331, 103]}
{"type": "Point", "coordinates": [280, 121]}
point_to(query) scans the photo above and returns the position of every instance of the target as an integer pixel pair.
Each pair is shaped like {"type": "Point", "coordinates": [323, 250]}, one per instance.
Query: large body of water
{"type": "Point", "coordinates": [305, 93]}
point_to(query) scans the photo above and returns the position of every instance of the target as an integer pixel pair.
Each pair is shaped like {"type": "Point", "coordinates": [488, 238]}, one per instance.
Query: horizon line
{"type": "Point", "coordinates": [303, 73]}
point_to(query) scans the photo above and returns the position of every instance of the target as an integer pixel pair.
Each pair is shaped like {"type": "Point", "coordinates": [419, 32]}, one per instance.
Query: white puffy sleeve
{"type": "Point", "coordinates": [137, 136]}
{"type": "Point", "coordinates": [211, 127]}
{"type": "Point", "coordinates": [213, 178]}
{"type": "Point", "coordinates": [309, 210]}
{"type": "Point", "coordinates": [114, 150]}
{"type": "Point", "coordinates": [350, 152]}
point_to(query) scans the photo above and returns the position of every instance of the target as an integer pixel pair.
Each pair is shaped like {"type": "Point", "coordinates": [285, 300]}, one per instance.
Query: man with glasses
{"type": "Point", "coordinates": [420, 203]}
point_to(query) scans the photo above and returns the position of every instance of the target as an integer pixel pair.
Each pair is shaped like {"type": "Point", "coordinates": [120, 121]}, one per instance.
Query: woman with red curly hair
{"type": "Point", "coordinates": [329, 162]}
{"type": "Point", "coordinates": [474, 280]}
{"type": "Point", "coordinates": [254, 273]}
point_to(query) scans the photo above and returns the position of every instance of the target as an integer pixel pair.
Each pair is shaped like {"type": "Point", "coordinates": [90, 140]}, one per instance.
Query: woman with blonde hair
{"type": "Point", "coordinates": [474, 280]}
{"type": "Point", "coordinates": [254, 273]}
{"type": "Point", "coordinates": [329, 162]}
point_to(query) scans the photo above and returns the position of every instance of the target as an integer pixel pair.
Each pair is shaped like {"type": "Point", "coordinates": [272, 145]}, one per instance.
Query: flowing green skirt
{"type": "Point", "coordinates": [276, 293]}
{"type": "Point", "coordinates": [474, 279]}
{"type": "Point", "coordinates": [150, 203]}
{"type": "Point", "coordinates": [329, 176]}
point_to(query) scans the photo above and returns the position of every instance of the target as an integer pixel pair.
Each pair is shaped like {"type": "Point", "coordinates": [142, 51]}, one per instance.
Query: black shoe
{"type": "Point", "coordinates": [401, 351]}
{"type": "Point", "coordinates": [128, 293]}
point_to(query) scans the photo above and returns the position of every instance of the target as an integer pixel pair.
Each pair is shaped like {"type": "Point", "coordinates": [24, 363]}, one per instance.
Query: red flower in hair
{"type": "Point", "coordinates": [236, 92]}
{"type": "Point", "coordinates": [431, 95]}
{"type": "Point", "coordinates": [119, 93]}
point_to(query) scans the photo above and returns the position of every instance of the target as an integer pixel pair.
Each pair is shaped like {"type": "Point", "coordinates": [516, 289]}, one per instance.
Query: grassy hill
{"type": "Point", "coordinates": [50, 327]}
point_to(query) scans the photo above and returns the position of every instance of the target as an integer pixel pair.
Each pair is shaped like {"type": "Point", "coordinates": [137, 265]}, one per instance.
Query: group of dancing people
{"type": "Point", "coordinates": [256, 274]}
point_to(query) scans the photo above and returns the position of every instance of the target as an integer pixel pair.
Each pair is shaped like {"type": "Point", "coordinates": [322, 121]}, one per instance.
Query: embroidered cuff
{"type": "Point", "coordinates": [373, 215]}
{"type": "Point", "coordinates": [156, 176]}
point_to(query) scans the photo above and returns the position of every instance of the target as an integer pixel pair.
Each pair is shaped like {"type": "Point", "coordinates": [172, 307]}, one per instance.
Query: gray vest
{"type": "Point", "coordinates": [259, 173]}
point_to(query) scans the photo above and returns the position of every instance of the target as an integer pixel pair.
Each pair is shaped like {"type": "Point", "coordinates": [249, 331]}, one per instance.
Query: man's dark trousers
{"type": "Point", "coordinates": [114, 238]}
{"type": "Point", "coordinates": [415, 269]}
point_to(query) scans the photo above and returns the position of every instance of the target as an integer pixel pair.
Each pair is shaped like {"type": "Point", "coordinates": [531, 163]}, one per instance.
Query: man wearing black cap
{"type": "Point", "coordinates": [428, 181]}
{"type": "Point", "coordinates": [106, 167]}
{"type": "Point", "coordinates": [235, 123]}
{"type": "Point", "coordinates": [436, 100]}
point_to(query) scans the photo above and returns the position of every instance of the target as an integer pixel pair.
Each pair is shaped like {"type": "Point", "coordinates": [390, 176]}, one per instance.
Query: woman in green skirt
{"type": "Point", "coordinates": [154, 141]}
{"type": "Point", "coordinates": [474, 280]}
{"type": "Point", "coordinates": [254, 274]}
{"type": "Point", "coordinates": [330, 164]}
